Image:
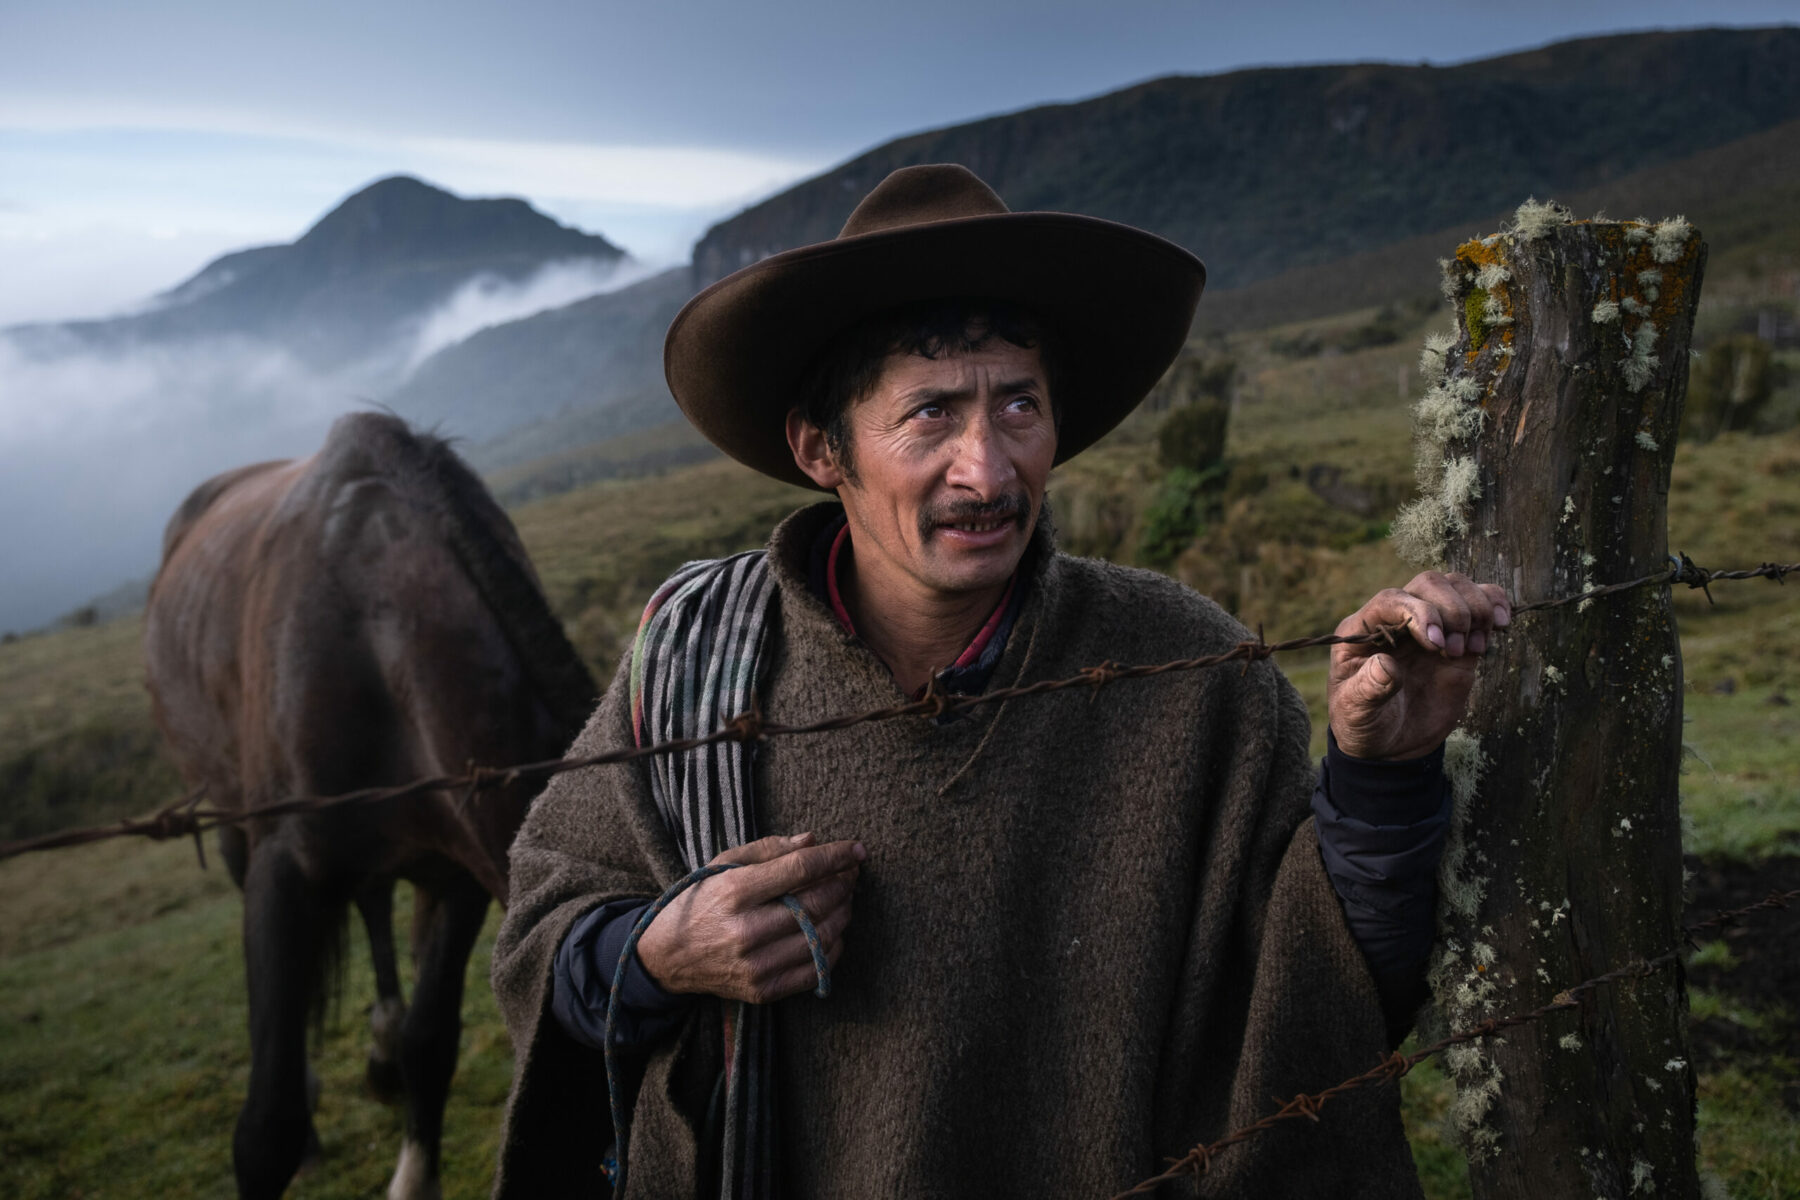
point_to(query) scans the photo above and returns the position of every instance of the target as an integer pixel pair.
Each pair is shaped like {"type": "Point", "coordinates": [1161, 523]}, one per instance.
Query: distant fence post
{"type": "Point", "coordinates": [1545, 444]}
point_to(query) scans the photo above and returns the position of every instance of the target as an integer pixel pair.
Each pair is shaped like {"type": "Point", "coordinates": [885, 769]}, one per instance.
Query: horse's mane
{"type": "Point", "coordinates": [425, 469]}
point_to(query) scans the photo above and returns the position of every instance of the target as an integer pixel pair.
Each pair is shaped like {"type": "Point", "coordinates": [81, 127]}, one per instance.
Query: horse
{"type": "Point", "coordinates": [364, 617]}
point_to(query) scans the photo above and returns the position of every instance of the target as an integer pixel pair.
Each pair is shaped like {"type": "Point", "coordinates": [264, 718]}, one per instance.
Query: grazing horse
{"type": "Point", "coordinates": [363, 617]}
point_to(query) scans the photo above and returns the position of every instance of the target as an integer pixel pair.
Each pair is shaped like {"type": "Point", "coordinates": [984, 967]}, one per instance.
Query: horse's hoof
{"type": "Point", "coordinates": [413, 1177]}
{"type": "Point", "coordinates": [384, 1081]}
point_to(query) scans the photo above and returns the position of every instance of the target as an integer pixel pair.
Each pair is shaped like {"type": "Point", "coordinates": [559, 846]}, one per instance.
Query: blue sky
{"type": "Point", "coordinates": [138, 140]}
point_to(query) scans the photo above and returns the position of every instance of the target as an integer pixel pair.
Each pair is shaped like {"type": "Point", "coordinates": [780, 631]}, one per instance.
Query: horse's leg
{"type": "Point", "coordinates": [376, 903]}
{"type": "Point", "coordinates": [445, 924]}
{"type": "Point", "coordinates": [234, 848]}
{"type": "Point", "coordinates": [285, 930]}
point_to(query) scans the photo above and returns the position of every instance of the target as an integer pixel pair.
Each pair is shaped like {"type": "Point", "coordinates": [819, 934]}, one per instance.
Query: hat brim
{"type": "Point", "coordinates": [1119, 301]}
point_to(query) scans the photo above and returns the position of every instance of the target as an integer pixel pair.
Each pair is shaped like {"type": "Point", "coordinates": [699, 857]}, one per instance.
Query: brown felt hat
{"type": "Point", "coordinates": [1119, 302]}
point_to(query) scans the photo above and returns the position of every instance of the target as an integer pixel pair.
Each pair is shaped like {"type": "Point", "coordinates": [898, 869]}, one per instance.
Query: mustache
{"type": "Point", "coordinates": [1008, 506]}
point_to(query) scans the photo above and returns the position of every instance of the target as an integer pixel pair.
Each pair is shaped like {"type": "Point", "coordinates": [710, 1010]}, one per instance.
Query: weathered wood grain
{"type": "Point", "coordinates": [1546, 448]}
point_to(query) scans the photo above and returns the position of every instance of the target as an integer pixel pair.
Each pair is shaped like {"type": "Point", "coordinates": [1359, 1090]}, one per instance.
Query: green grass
{"type": "Point", "coordinates": [123, 1056]}
{"type": "Point", "coordinates": [123, 1052]}
{"type": "Point", "coordinates": [1740, 790]}
{"type": "Point", "coordinates": [1748, 1139]}
{"type": "Point", "coordinates": [77, 742]}
{"type": "Point", "coordinates": [601, 549]}
{"type": "Point", "coordinates": [1425, 1098]}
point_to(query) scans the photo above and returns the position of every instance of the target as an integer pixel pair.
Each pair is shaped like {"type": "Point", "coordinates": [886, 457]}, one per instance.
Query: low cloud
{"type": "Point", "coordinates": [100, 442]}
{"type": "Point", "coordinates": [98, 446]}
{"type": "Point", "coordinates": [489, 300]}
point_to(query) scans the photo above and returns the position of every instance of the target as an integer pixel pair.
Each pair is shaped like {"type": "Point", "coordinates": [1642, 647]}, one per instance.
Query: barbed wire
{"type": "Point", "coordinates": [1395, 1065]}
{"type": "Point", "coordinates": [188, 818]}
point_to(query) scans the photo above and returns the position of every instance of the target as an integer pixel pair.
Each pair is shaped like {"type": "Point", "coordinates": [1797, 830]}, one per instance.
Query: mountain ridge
{"type": "Point", "coordinates": [1271, 168]}
{"type": "Point", "coordinates": [604, 352]}
{"type": "Point", "coordinates": [1734, 194]}
{"type": "Point", "coordinates": [389, 252]}
{"type": "Point", "coordinates": [599, 371]}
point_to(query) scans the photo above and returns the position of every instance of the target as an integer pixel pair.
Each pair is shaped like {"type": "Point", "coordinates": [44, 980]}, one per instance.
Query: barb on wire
{"type": "Point", "coordinates": [1395, 1065]}
{"type": "Point", "coordinates": [188, 817]}
{"type": "Point", "coordinates": [1682, 569]}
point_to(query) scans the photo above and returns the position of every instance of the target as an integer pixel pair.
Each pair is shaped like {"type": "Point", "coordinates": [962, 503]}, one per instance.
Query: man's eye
{"type": "Point", "coordinates": [929, 411]}
{"type": "Point", "coordinates": [1022, 404]}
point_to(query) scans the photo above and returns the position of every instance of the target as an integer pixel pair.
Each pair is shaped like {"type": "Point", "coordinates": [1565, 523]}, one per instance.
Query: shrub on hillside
{"type": "Point", "coordinates": [1386, 329]}
{"type": "Point", "coordinates": [1193, 436]}
{"type": "Point", "coordinates": [1728, 388]}
{"type": "Point", "coordinates": [1305, 344]}
{"type": "Point", "coordinates": [1178, 512]}
{"type": "Point", "coordinates": [1193, 378]}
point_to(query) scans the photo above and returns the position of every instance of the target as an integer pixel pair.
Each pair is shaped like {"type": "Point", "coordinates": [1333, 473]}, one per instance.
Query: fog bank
{"type": "Point", "coordinates": [100, 443]}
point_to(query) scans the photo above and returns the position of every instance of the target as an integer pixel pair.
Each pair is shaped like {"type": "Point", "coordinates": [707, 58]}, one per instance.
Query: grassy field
{"type": "Point", "coordinates": [122, 1049]}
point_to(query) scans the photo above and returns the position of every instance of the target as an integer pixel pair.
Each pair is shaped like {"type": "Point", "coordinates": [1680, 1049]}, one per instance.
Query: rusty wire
{"type": "Point", "coordinates": [189, 818]}
{"type": "Point", "coordinates": [1393, 1066]}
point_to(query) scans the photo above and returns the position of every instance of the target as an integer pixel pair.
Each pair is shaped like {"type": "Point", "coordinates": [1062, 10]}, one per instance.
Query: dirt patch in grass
{"type": "Point", "coordinates": [1747, 976]}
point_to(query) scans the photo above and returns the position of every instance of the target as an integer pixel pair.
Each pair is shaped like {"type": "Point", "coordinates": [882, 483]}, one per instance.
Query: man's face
{"type": "Point", "coordinates": [950, 459]}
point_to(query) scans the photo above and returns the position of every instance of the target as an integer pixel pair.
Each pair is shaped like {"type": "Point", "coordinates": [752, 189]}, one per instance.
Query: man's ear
{"type": "Point", "coordinates": [812, 453]}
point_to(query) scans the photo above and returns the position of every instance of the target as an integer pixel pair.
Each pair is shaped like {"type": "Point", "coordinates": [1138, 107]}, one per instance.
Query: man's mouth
{"type": "Point", "coordinates": [977, 519]}
{"type": "Point", "coordinates": [979, 526]}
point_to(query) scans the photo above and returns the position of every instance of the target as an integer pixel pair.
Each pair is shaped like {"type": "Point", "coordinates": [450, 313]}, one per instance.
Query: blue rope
{"type": "Point", "coordinates": [620, 1120]}
{"type": "Point", "coordinates": [820, 964]}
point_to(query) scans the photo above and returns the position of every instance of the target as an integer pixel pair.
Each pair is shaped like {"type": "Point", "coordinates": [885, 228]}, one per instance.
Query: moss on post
{"type": "Point", "coordinates": [1545, 442]}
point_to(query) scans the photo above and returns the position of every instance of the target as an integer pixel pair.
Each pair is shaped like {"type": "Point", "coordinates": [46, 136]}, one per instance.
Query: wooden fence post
{"type": "Point", "coordinates": [1545, 443]}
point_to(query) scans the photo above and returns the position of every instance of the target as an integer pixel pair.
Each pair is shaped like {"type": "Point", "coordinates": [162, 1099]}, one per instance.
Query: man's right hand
{"type": "Point", "coordinates": [730, 935]}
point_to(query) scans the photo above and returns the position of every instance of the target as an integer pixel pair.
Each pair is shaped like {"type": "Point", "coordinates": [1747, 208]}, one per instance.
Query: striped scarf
{"type": "Point", "coordinates": [700, 648]}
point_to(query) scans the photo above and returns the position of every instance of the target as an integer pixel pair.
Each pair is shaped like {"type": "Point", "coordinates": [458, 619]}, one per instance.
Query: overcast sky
{"type": "Point", "coordinates": [138, 140]}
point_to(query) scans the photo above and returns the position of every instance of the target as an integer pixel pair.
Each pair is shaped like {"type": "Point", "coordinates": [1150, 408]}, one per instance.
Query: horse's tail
{"type": "Point", "coordinates": [488, 548]}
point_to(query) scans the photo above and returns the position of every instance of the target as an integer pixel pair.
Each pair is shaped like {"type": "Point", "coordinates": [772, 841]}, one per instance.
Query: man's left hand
{"type": "Point", "coordinates": [1402, 701]}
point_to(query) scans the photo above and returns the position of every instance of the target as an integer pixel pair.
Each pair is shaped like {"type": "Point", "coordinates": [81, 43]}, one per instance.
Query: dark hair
{"type": "Point", "coordinates": [850, 365]}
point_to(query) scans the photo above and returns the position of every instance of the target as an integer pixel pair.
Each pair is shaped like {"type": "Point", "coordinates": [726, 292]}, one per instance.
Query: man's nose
{"type": "Point", "coordinates": [981, 463]}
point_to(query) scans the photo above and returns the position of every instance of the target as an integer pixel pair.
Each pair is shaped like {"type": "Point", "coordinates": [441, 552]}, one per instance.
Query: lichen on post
{"type": "Point", "coordinates": [1545, 442]}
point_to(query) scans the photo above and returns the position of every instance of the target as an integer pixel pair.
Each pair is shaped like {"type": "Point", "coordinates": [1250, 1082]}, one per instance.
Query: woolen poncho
{"type": "Point", "coordinates": [1092, 930]}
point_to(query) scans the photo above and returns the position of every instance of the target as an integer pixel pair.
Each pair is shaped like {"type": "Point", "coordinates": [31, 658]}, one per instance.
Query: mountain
{"type": "Point", "coordinates": [1308, 190]}
{"type": "Point", "coordinates": [1744, 197]}
{"type": "Point", "coordinates": [249, 359]}
{"type": "Point", "coordinates": [1263, 171]}
{"type": "Point", "coordinates": [349, 286]}
{"type": "Point", "coordinates": [599, 360]}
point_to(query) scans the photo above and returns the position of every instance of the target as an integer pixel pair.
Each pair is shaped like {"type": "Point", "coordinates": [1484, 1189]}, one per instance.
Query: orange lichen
{"type": "Point", "coordinates": [1476, 257]}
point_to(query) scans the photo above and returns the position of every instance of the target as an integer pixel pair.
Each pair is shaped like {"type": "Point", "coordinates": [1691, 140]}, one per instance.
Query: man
{"type": "Point", "coordinates": [1089, 932]}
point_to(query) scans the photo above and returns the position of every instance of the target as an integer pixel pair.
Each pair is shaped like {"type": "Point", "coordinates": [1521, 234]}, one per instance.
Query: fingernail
{"type": "Point", "coordinates": [1435, 636]}
{"type": "Point", "coordinates": [1478, 643]}
{"type": "Point", "coordinates": [800, 839]}
{"type": "Point", "coordinates": [1454, 646]}
{"type": "Point", "coordinates": [1502, 616]}
{"type": "Point", "coordinates": [860, 853]}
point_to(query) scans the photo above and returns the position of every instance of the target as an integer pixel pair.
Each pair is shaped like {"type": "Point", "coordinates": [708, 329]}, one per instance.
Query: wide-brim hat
{"type": "Point", "coordinates": [1117, 300]}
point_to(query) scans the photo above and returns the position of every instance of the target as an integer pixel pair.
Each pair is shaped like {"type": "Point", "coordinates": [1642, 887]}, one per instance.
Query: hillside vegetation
{"type": "Point", "coordinates": [1743, 194]}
